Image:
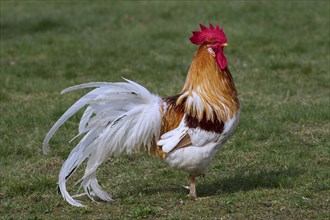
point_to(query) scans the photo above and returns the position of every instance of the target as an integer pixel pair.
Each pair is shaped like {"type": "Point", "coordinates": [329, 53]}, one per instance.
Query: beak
{"type": "Point", "coordinates": [225, 45]}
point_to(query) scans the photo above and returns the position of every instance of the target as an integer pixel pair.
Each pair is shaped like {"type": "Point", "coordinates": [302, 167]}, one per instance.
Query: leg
{"type": "Point", "coordinates": [192, 187]}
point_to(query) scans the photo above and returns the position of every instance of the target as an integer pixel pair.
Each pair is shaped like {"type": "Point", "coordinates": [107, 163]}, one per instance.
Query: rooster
{"type": "Point", "coordinates": [185, 130]}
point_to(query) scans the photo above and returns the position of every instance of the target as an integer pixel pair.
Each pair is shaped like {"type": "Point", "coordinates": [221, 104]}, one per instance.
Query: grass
{"type": "Point", "coordinates": [276, 166]}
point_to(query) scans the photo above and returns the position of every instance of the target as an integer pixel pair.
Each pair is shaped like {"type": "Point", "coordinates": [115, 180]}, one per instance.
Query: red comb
{"type": "Point", "coordinates": [208, 34]}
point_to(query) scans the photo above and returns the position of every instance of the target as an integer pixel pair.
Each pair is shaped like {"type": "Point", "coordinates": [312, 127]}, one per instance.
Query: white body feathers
{"type": "Point", "coordinates": [195, 158]}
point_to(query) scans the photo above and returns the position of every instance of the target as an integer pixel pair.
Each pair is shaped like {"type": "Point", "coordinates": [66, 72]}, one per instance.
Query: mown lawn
{"type": "Point", "coordinates": [277, 164]}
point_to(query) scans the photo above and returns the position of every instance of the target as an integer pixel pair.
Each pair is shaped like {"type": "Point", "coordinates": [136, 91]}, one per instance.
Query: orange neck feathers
{"type": "Point", "coordinates": [209, 92]}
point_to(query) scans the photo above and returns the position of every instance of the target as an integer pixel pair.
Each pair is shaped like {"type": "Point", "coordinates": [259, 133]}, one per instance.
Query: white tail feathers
{"type": "Point", "coordinates": [119, 117]}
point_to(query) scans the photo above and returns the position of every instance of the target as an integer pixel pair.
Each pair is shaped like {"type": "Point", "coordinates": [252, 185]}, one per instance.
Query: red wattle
{"type": "Point", "coordinates": [221, 60]}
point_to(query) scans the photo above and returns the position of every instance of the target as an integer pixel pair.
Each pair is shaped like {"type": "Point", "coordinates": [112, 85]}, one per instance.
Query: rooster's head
{"type": "Point", "coordinates": [214, 39]}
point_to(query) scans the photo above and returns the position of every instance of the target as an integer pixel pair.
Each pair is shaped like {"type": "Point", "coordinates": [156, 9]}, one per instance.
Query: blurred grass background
{"type": "Point", "coordinates": [275, 166]}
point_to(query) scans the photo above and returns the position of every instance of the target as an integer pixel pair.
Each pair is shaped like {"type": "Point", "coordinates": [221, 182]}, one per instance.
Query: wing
{"type": "Point", "coordinates": [187, 134]}
{"type": "Point", "coordinates": [175, 139]}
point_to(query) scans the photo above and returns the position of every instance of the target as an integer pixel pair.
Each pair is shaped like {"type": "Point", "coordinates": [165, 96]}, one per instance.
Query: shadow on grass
{"type": "Point", "coordinates": [243, 180]}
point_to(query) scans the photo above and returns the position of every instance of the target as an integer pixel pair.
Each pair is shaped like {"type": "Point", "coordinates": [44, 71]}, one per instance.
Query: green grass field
{"type": "Point", "coordinates": [277, 164]}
